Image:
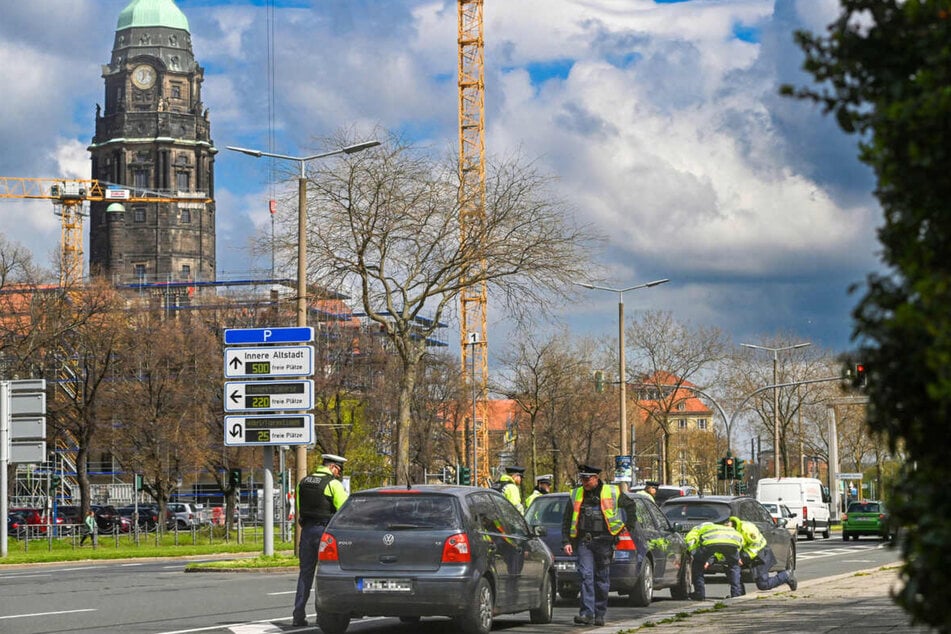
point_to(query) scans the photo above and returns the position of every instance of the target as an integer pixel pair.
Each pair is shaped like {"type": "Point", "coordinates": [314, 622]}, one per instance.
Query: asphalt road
{"type": "Point", "coordinates": [157, 597]}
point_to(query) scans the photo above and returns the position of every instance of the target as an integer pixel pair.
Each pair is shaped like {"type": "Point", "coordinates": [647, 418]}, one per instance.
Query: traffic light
{"type": "Point", "coordinates": [55, 481]}
{"type": "Point", "coordinates": [721, 469]}
{"type": "Point", "coordinates": [728, 469]}
{"type": "Point", "coordinates": [599, 381]}
{"type": "Point", "coordinates": [860, 378]}
{"type": "Point", "coordinates": [739, 467]}
{"type": "Point", "coordinates": [138, 482]}
{"type": "Point", "coordinates": [234, 478]}
{"type": "Point", "coordinates": [465, 475]}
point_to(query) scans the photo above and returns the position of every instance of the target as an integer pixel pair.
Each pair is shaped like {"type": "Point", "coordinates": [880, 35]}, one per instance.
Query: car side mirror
{"type": "Point", "coordinates": [792, 515]}
{"type": "Point", "coordinates": [539, 530]}
{"type": "Point", "coordinates": [782, 521]}
{"type": "Point", "coordinates": [679, 527]}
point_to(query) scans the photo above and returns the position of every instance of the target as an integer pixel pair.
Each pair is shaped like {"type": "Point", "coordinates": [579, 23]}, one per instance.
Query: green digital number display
{"type": "Point", "coordinates": [259, 367]}
{"type": "Point", "coordinates": [258, 402]}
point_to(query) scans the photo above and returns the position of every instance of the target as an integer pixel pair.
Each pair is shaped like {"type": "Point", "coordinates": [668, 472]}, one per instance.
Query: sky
{"type": "Point", "coordinates": [660, 121]}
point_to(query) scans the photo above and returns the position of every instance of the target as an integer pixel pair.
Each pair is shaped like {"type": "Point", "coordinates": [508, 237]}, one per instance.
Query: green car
{"type": "Point", "coordinates": [865, 518]}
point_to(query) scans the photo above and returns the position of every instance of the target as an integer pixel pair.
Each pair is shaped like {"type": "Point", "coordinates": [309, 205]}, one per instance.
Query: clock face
{"type": "Point", "coordinates": [143, 76]}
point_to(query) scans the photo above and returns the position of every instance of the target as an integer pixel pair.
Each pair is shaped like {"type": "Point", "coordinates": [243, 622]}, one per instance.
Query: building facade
{"type": "Point", "coordinates": [153, 136]}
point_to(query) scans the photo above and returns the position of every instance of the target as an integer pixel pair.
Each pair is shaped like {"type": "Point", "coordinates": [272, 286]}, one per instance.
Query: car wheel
{"type": "Point", "coordinates": [568, 593]}
{"type": "Point", "coordinates": [811, 531]}
{"type": "Point", "coordinates": [643, 591]}
{"type": "Point", "coordinates": [826, 533]}
{"type": "Point", "coordinates": [546, 605]}
{"type": "Point", "coordinates": [855, 537]}
{"type": "Point", "coordinates": [333, 623]}
{"type": "Point", "coordinates": [478, 618]}
{"type": "Point", "coordinates": [685, 583]}
{"type": "Point", "coordinates": [791, 557]}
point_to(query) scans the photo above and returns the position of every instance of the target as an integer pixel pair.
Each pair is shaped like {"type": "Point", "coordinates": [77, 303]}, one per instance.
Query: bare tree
{"type": "Point", "coordinates": [384, 226]}
{"type": "Point", "coordinates": [667, 357]}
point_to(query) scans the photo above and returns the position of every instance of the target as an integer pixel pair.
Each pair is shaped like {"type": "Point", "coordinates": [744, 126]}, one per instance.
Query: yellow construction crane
{"type": "Point", "coordinates": [474, 341]}
{"type": "Point", "coordinates": [68, 196]}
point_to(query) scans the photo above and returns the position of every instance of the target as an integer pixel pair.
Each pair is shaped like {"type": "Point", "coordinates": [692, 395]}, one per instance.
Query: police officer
{"type": "Point", "coordinates": [757, 552]}
{"type": "Point", "coordinates": [709, 540]}
{"type": "Point", "coordinates": [318, 497]}
{"type": "Point", "coordinates": [589, 528]}
{"type": "Point", "coordinates": [542, 487]}
{"type": "Point", "coordinates": [650, 490]}
{"type": "Point", "coordinates": [510, 485]}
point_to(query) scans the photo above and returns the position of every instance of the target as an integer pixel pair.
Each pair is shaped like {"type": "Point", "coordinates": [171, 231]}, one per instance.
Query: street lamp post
{"type": "Point", "coordinates": [622, 370]}
{"type": "Point", "coordinates": [775, 352]}
{"type": "Point", "coordinates": [300, 451]}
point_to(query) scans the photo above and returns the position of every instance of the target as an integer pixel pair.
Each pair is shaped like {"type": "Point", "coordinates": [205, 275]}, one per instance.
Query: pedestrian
{"type": "Point", "coordinates": [319, 495]}
{"type": "Point", "coordinates": [542, 487]}
{"type": "Point", "coordinates": [90, 529]}
{"type": "Point", "coordinates": [711, 540]}
{"type": "Point", "coordinates": [650, 490]}
{"type": "Point", "coordinates": [510, 485]}
{"type": "Point", "coordinates": [589, 529]}
{"type": "Point", "coordinates": [759, 555]}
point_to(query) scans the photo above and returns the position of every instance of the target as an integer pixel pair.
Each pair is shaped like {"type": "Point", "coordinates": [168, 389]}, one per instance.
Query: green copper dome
{"type": "Point", "coordinates": [143, 13]}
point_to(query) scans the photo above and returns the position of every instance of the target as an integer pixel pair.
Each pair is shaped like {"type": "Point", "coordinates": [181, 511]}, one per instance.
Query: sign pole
{"type": "Point", "coordinates": [4, 459]}
{"type": "Point", "coordinates": [268, 489]}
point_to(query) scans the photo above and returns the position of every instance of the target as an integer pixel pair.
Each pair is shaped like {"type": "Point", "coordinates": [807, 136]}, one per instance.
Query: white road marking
{"type": "Point", "coordinates": [20, 616]}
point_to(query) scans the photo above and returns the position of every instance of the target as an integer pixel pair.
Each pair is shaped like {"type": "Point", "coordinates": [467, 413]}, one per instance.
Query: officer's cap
{"type": "Point", "coordinates": [588, 470]}
{"type": "Point", "coordinates": [543, 479]}
{"type": "Point", "coordinates": [330, 458]}
{"type": "Point", "coordinates": [514, 470]}
{"type": "Point", "coordinates": [652, 483]}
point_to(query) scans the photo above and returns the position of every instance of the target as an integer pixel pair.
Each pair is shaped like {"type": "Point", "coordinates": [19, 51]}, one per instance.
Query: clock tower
{"type": "Point", "coordinates": [153, 137]}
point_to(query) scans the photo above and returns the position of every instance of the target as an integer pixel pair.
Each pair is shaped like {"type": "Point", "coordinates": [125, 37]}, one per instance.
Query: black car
{"type": "Point", "coordinates": [107, 518]}
{"type": "Point", "coordinates": [692, 510]}
{"type": "Point", "coordinates": [653, 557]}
{"type": "Point", "coordinates": [432, 550]}
{"type": "Point", "coordinates": [148, 515]}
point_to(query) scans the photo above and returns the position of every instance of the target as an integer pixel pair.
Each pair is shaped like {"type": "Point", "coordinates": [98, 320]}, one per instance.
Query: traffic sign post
{"type": "Point", "coordinates": [268, 396]}
{"type": "Point", "coordinates": [278, 361]}
{"type": "Point", "coordinates": [22, 433]}
{"type": "Point", "coordinates": [269, 429]}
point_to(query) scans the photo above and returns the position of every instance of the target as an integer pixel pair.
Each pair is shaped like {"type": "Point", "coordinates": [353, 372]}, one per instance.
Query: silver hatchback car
{"type": "Point", "coordinates": [432, 550]}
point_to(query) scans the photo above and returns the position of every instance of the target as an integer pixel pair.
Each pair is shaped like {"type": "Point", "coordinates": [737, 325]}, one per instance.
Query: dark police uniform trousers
{"type": "Point", "coordinates": [594, 567]}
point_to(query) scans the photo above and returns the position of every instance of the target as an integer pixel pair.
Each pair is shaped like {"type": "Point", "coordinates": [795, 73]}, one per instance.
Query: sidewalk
{"type": "Point", "coordinates": [854, 602]}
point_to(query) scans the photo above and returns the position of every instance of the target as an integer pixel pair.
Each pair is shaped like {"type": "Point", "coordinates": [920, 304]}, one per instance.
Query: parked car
{"type": "Point", "coordinates": [690, 511]}
{"type": "Point", "coordinates": [865, 518]}
{"type": "Point", "coordinates": [148, 516]}
{"type": "Point", "coordinates": [654, 557]}
{"type": "Point", "coordinates": [107, 518]}
{"type": "Point", "coordinates": [186, 514]}
{"type": "Point", "coordinates": [781, 513]}
{"type": "Point", "coordinates": [667, 491]}
{"type": "Point", "coordinates": [36, 521]}
{"type": "Point", "coordinates": [432, 550]}
{"type": "Point", "coordinates": [16, 524]}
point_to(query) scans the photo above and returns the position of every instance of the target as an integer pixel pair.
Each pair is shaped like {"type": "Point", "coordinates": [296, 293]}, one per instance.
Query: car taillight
{"type": "Point", "coordinates": [881, 517]}
{"type": "Point", "coordinates": [805, 512]}
{"type": "Point", "coordinates": [845, 517]}
{"type": "Point", "coordinates": [455, 550]}
{"type": "Point", "coordinates": [625, 541]}
{"type": "Point", "coordinates": [327, 551]}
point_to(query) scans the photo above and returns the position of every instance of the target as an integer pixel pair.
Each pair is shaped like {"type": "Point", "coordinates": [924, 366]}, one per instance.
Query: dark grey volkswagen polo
{"type": "Point", "coordinates": [432, 550]}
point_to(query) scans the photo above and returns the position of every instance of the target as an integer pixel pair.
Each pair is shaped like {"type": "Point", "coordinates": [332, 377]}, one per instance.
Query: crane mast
{"type": "Point", "coordinates": [474, 342]}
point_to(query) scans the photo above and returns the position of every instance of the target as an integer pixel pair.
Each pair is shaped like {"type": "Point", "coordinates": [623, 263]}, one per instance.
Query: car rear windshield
{"type": "Point", "coordinates": [696, 512]}
{"type": "Point", "coordinates": [547, 510]}
{"type": "Point", "coordinates": [864, 507]}
{"type": "Point", "coordinates": [398, 512]}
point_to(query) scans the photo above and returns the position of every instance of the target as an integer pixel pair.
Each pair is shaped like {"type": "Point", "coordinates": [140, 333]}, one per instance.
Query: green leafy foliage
{"type": "Point", "coordinates": [884, 71]}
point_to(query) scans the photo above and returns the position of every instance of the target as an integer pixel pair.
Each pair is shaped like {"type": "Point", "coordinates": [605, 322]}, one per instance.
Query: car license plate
{"type": "Point", "coordinates": [384, 585]}
{"type": "Point", "coordinates": [565, 566]}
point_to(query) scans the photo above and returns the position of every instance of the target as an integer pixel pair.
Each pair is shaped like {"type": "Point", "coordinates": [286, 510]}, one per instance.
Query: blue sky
{"type": "Point", "coordinates": [660, 120]}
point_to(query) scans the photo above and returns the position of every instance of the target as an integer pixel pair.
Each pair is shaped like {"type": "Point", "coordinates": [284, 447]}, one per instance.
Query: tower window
{"type": "Point", "coordinates": [138, 214]}
{"type": "Point", "coordinates": [139, 271]}
{"type": "Point", "coordinates": [185, 216]}
{"type": "Point", "coordinates": [186, 271]}
{"type": "Point", "coordinates": [181, 181]}
{"type": "Point", "coordinates": [176, 91]}
{"type": "Point", "coordinates": [140, 178]}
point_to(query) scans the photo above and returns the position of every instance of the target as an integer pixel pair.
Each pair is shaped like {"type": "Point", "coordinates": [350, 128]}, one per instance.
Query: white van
{"type": "Point", "coordinates": [806, 497]}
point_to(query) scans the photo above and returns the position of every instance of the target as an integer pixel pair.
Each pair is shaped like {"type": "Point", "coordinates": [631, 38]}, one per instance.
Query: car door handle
{"type": "Point", "coordinates": [388, 559]}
